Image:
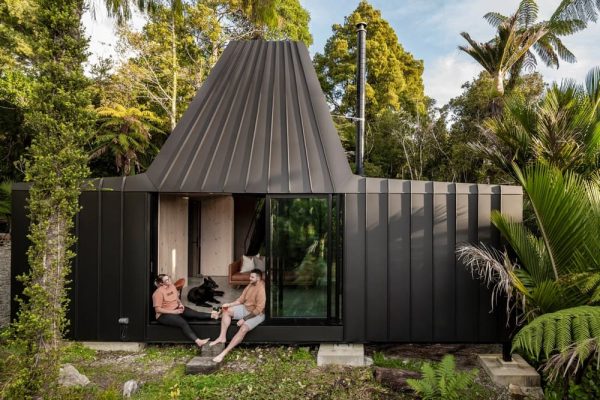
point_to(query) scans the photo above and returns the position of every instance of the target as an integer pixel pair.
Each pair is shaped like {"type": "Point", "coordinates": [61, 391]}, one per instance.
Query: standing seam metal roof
{"type": "Point", "coordinates": [259, 124]}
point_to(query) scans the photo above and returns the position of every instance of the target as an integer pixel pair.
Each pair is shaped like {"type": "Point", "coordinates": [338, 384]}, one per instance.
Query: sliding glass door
{"type": "Point", "coordinates": [304, 250]}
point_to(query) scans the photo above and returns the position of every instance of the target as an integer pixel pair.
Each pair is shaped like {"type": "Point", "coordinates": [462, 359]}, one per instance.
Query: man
{"type": "Point", "coordinates": [248, 309]}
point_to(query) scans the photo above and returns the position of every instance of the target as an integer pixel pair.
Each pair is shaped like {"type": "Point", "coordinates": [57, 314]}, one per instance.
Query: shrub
{"type": "Point", "coordinates": [442, 381]}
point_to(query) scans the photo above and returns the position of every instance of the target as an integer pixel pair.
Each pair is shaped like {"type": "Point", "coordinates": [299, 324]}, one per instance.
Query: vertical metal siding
{"type": "Point", "coordinates": [354, 269]}
{"type": "Point", "coordinates": [88, 264]}
{"type": "Point", "coordinates": [444, 235]}
{"type": "Point", "coordinates": [135, 263]}
{"type": "Point", "coordinates": [467, 288]}
{"type": "Point", "coordinates": [421, 262]}
{"type": "Point", "coordinates": [109, 293]}
{"type": "Point", "coordinates": [20, 244]}
{"type": "Point", "coordinates": [415, 290]}
{"type": "Point", "coordinates": [377, 259]}
{"type": "Point", "coordinates": [398, 249]}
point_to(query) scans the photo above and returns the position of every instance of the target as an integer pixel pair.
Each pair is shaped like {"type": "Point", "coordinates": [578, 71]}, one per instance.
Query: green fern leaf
{"type": "Point", "coordinates": [580, 328]}
{"type": "Point", "coordinates": [549, 343]}
{"type": "Point", "coordinates": [563, 332]}
{"type": "Point", "coordinates": [557, 331]}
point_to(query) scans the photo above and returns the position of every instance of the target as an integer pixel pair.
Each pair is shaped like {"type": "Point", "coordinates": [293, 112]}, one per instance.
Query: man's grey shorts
{"type": "Point", "coordinates": [240, 312]}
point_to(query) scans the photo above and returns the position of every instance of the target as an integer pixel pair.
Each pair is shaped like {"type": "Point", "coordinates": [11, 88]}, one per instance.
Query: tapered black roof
{"type": "Point", "coordinates": [259, 124]}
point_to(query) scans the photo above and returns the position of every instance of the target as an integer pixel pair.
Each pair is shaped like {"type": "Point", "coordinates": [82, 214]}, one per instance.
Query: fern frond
{"type": "Point", "coordinates": [558, 331]}
{"type": "Point", "coordinates": [572, 358]}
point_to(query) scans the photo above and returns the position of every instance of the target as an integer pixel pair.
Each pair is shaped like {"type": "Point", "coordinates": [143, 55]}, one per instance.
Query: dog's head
{"type": "Point", "coordinates": [209, 283]}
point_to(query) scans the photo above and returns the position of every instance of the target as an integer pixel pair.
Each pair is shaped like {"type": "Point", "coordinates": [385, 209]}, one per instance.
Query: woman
{"type": "Point", "coordinates": [170, 311]}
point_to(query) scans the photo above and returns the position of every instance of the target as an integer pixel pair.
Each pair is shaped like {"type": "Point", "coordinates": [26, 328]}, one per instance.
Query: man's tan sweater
{"type": "Point", "coordinates": [254, 298]}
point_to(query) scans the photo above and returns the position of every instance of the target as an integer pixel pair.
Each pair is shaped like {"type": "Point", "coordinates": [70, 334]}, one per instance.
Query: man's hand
{"type": "Point", "coordinates": [241, 322]}
{"type": "Point", "coordinates": [179, 310]}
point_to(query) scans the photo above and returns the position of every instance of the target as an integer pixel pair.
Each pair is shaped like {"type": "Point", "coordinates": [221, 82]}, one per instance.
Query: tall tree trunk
{"type": "Point", "coordinates": [500, 83]}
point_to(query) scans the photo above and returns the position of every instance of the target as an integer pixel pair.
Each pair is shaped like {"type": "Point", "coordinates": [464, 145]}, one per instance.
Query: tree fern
{"type": "Point", "coordinates": [558, 332]}
{"type": "Point", "coordinates": [442, 381]}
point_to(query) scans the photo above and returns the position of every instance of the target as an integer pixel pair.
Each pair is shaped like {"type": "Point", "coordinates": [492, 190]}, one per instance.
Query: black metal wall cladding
{"type": "Point", "coordinates": [402, 281]}
{"type": "Point", "coordinates": [110, 272]}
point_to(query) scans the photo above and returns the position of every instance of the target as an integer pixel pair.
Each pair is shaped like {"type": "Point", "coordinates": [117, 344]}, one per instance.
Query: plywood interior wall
{"type": "Point", "coordinates": [173, 236]}
{"type": "Point", "coordinates": [216, 235]}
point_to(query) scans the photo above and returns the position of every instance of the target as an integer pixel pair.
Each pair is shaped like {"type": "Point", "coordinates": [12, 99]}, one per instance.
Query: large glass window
{"type": "Point", "coordinates": [303, 249]}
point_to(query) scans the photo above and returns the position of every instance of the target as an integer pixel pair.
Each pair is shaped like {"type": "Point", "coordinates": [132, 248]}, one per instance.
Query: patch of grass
{"type": "Point", "coordinates": [90, 392]}
{"type": "Point", "coordinates": [380, 360]}
{"type": "Point", "coordinates": [302, 354]}
{"type": "Point", "coordinates": [269, 373]}
{"type": "Point", "coordinates": [168, 352]}
{"type": "Point", "coordinates": [76, 352]}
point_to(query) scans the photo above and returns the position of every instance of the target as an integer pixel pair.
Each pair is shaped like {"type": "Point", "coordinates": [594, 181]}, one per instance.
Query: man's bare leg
{"type": "Point", "coordinates": [225, 322]}
{"type": "Point", "coordinates": [237, 339]}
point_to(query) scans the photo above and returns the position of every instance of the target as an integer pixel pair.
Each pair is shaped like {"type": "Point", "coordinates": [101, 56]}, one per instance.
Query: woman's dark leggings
{"type": "Point", "coordinates": [179, 320]}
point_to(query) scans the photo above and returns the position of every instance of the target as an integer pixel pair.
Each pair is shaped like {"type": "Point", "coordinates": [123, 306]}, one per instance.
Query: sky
{"type": "Point", "coordinates": [429, 29]}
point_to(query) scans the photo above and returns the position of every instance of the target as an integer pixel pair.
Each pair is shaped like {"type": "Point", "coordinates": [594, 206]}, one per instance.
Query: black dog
{"type": "Point", "coordinates": [205, 293]}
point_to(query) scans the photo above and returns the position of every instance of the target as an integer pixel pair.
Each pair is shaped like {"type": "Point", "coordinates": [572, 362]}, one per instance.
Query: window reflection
{"type": "Point", "coordinates": [299, 256]}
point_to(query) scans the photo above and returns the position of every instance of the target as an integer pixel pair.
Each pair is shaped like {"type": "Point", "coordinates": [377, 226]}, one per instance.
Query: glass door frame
{"type": "Point", "coordinates": [334, 247]}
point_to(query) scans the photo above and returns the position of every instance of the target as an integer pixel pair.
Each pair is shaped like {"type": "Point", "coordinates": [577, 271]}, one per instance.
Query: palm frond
{"type": "Point", "coordinates": [495, 270]}
{"type": "Point", "coordinates": [562, 212]}
{"type": "Point", "coordinates": [592, 86]}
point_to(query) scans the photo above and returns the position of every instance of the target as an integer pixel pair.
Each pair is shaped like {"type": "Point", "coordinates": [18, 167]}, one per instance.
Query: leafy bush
{"type": "Point", "coordinates": [587, 388]}
{"type": "Point", "coordinates": [442, 381]}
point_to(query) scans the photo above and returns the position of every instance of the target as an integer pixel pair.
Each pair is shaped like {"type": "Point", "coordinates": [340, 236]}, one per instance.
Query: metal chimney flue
{"type": "Point", "coordinates": [360, 96]}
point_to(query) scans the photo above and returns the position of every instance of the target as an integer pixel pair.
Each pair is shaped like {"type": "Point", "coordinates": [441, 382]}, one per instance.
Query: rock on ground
{"type": "Point", "coordinates": [130, 387]}
{"type": "Point", "coordinates": [69, 376]}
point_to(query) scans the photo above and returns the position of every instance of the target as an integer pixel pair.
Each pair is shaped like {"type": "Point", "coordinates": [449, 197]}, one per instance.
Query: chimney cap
{"type": "Point", "coordinates": [361, 26]}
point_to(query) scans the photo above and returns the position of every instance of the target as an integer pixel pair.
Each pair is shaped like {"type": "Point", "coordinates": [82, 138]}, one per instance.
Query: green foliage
{"type": "Point", "coordinates": [5, 203]}
{"type": "Point", "coordinates": [588, 387]}
{"type": "Point", "coordinates": [518, 37]}
{"type": "Point", "coordinates": [442, 381]}
{"type": "Point", "coordinates": [155, 353]}
{"type": "Point", "coordinates": [562, 129]}
{"type": "Point", "coordinates": [555, 332]}
{"type": "Point", "coordinates": [292, 22]}
{"type": "Point", "coordinates": [394, 78]}
{"type": "Point", "coordinates": [276, 373]}
{"type": "Point", "coordinates": [125, 133]}
{"type": "Point", "coordinates": [558, 263]}
{"type": "Point", "coordinates": [380, 360]}
{"type": "Point", "coordinates": [76, 352]}
{"type": "Point", "coordinates": [468, 113]}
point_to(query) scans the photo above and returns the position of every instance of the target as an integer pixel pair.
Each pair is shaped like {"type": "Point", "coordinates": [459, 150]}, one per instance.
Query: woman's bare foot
{"type": "Point", "coordinates": [202, 342]}
{"type": "Point", "coordinates": [217, 341]}
{"type": "Point", "coordinates": [219, 358]}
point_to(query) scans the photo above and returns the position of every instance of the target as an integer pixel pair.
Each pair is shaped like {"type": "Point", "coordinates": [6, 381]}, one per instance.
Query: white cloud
{"type": "Point", "coordinates": [444, 77]}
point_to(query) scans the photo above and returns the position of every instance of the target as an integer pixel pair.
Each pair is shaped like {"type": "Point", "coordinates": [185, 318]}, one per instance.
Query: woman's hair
{"type": "Point", "coordinates": [159, 279]}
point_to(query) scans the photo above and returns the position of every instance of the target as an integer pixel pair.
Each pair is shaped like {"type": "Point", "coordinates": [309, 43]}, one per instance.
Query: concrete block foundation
{"type": "Point", "coordinates": [517, 372]}
{"type": "Point", "coordinates": [341, 354]}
